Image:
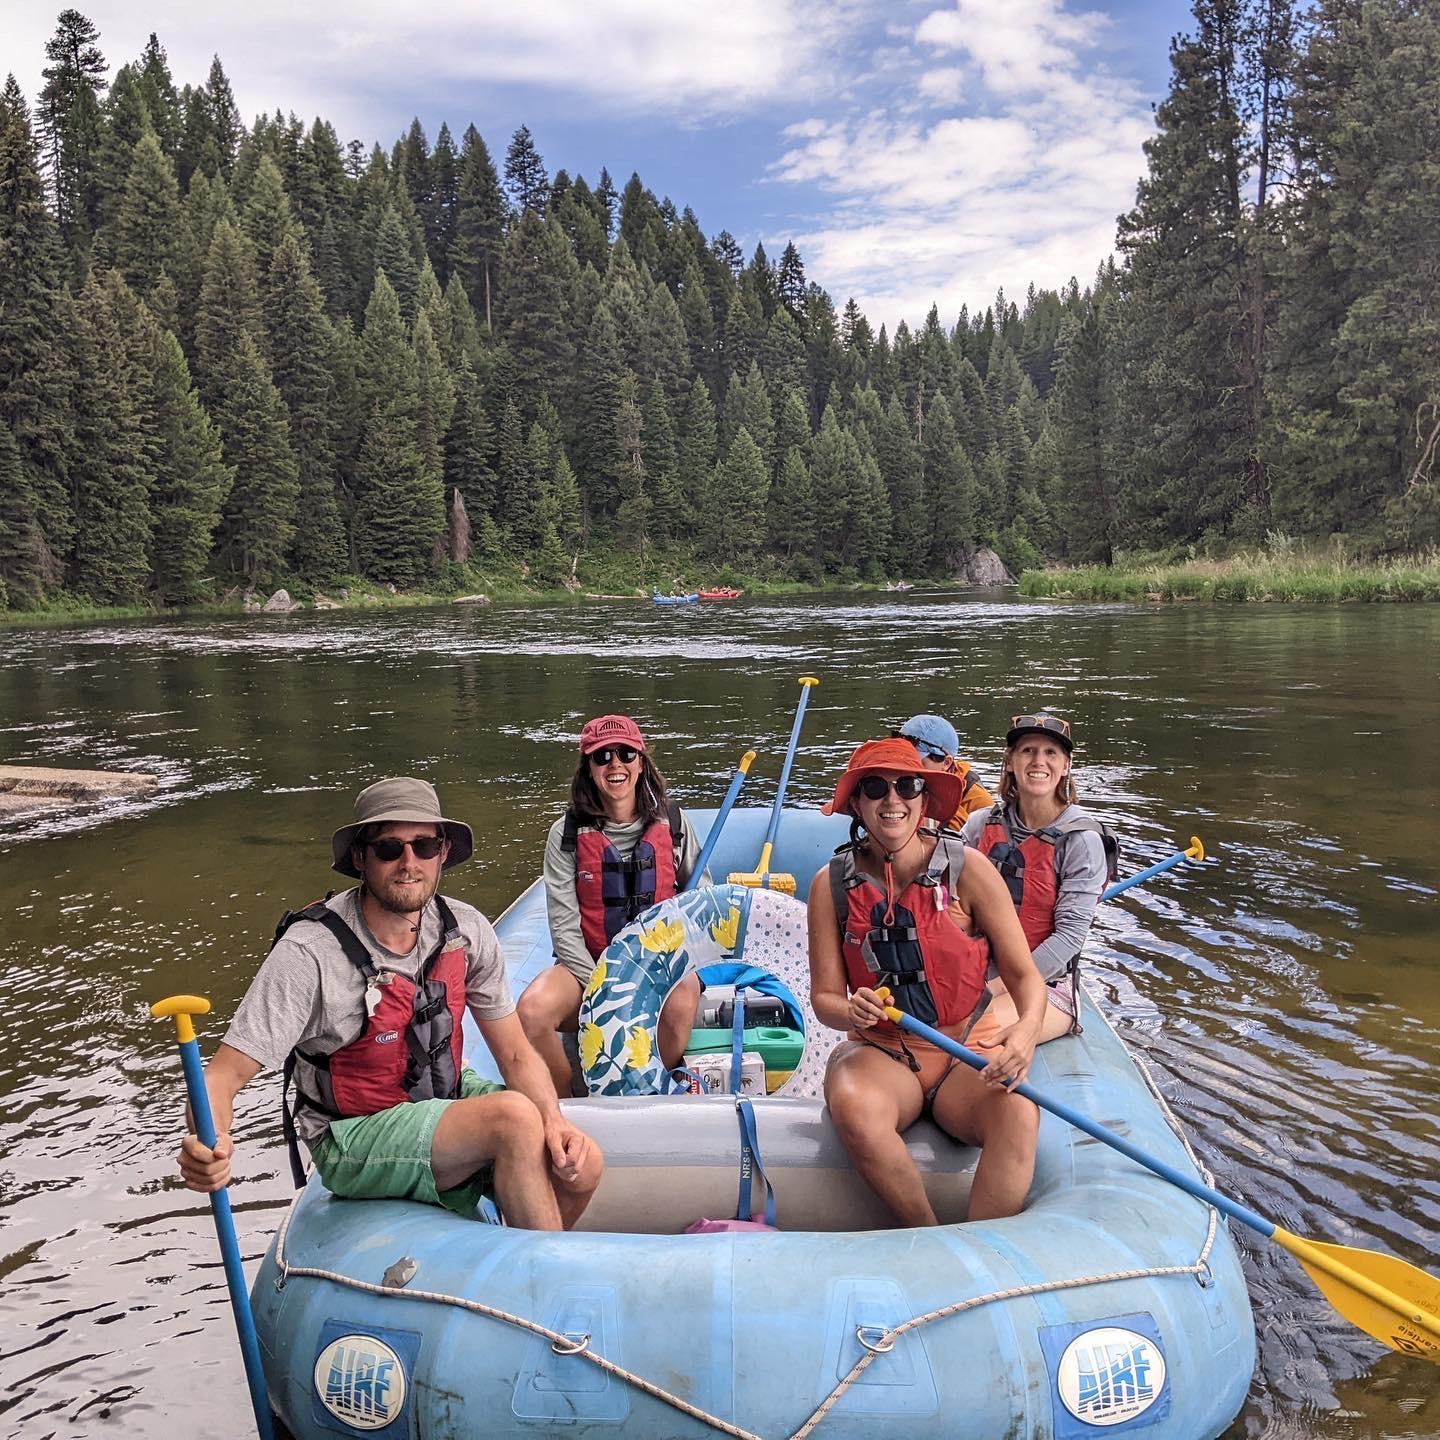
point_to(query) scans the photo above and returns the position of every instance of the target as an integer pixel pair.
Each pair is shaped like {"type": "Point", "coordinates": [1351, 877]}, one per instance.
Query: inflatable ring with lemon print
{"type": "Point", "coordinates": [642, 965]}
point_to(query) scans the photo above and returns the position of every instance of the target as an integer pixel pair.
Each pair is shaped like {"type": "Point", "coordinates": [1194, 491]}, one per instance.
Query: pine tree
{"type": "Point", "coordinates": [71, 124]}
{"type": "Point", "coordinates": [747, 406]}
{"type": "Point", "coordinates": [21, 541]}
{"type": "Point", "coordinates": [950, 491]}
{"type": "Point", "coordinates": [536, 271]}
{"type": "Point", "coordinates": [300, 345]}
{"type": "Point", "coordinates": [668, 511]}
{"type": "Point", "coordinates": [147, 225]}
{"type": "Point", "coordinates": [156, 87]}
{"type": "Point", "coordinates": [480, 223]}
{"type": "Point", "coordinates": [442, 215]}
{"type": "Point", "coordinates": [698, 447]}
{"type": "Point", "coordinates": [834, 459]}
{"type": "Point", "coordinates": [633, 514]}
{"type": "Point", "coordinates": [258, 518]}
{"type": "Point", "coordinates": [228, 312]}
{"type": "Point", "coordinates": [1084, 497]}
{"type": "Point", "coordinates": [525, 179]}
{"type": "Point", "coordinates": [35, 371]}
{"type": "Point", "coordinates": [395, 255]}
{"type": "Point", "coordinates": [436, 394]}
{"type": "Point", "coordinates": [399, 517]}
{"type": "Point", "coordinates": [226, 129]}
{"type": "Point", "coordinates": [790, 521]}
{"type": "Point", "coordinates": [467, 448]}
{"type": "Point", "coordinates": [790, 281]}
{"type": "Point", "coordinates": [268, 217]}
{"type": "Point", "coordinates": [191, 480]}
{"type": "Point", "coordinates": [110, 563]}
{"type": "Point", "coordinates": [596, 451]}
{"type": "Point", "coordinates": [901, 469]}
{"type": "Point", "coordinates": [732, 518]}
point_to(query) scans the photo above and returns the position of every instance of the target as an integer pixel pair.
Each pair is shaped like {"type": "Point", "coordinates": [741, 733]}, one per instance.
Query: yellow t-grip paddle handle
{"type": "Point", "coordinates": [180, 1008]}
{"type": "Point", "coordinates": [891, 1013]}
{"type": "Point", "coordinates": [1195, 850]}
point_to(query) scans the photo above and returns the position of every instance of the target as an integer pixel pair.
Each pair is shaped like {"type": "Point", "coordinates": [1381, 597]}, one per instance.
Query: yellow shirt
{"type": "Point", "coordinates": [976, 796]}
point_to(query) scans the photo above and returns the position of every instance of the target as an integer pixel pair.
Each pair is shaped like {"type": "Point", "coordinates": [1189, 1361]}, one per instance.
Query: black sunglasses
{"type": "Point", "coordinates": [426, 847]}
{"type": "Point", "coordinates": [877, 787]}
{"type": "Point", "coordinates": [624, 753]}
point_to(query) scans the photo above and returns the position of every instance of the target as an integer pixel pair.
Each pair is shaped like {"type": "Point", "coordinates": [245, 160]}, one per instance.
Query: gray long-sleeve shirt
{"type": "Point", "coordinates": [1078, 886]}
{"type": "Point", "coordinates": [562, 905]}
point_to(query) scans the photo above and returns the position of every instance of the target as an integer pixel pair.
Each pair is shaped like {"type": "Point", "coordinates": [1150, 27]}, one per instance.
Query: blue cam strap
{"type": "Point", "coordinates": [737, 1043]}
{"type": "Point", "coordinates": [750, 1163]}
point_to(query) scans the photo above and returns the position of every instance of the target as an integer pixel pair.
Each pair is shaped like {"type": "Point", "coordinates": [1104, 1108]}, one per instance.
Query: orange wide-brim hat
{"type": "Point", "coordinates": [898, 756]}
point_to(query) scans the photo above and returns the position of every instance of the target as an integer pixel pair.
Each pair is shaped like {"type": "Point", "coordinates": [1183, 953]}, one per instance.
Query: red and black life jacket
{"type": "Point", "coordinates": [934, 969]}
{"type": "Point", "coordinates": [613, 890]}
{"type": "Point", "coordinates": [1031, 869]}
{"type": "Point", "coordinates": [409, 1043]}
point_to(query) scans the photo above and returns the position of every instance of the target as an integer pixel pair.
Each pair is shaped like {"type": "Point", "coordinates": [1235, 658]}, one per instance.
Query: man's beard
{"type": "Point", "coordinates": [403, 899]}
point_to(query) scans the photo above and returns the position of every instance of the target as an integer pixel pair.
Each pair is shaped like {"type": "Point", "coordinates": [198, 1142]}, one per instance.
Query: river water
{"type": "Point", "coordinates": [1286, 995]}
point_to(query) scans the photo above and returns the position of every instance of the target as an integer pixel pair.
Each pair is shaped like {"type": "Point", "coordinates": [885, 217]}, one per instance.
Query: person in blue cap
{"type": "Point", "coordinates": [938, 744]}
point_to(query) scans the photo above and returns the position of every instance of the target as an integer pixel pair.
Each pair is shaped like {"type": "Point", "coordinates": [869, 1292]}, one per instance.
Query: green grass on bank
{"type": "Point", "coordinates": [598, 575]}
{"type": "Point", "coordinates": [1324, 578]}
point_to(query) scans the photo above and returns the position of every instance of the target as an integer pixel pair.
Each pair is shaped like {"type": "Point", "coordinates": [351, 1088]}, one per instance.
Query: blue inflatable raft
{"type": "Point", "coordinates": [692, 599]}
{"type": "Point", "coordinates": [1113, 1304]}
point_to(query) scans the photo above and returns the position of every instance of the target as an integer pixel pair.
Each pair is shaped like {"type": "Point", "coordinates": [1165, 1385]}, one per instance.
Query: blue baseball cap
{"type": "Point", "coordinates": [933, 733]}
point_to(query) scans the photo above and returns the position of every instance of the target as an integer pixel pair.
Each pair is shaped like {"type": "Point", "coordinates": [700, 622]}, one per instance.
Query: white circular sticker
{"type": "Point", "coordinates": [361, 1381]}
{"type": "Point", "coordinates": [1110, 1375]}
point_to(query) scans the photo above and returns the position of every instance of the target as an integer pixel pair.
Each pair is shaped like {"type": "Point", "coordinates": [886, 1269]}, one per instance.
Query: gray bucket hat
{"type": "Point", "coordinates": [404, 800]}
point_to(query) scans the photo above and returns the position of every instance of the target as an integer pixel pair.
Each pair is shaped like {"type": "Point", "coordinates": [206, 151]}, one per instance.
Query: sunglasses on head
{"type": "Point", "coordinates": [626, 754]}
{"type": "Point", "coordinates": [426, 847]}
{"type": "Point", "coordinates": [1053, 723]}
{"type": "Point", "coordinates": [877, 787]}
{"type": "Point", "coordinates": [926, 749]}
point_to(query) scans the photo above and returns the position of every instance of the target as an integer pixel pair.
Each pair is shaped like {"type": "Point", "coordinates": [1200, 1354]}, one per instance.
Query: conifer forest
{"type": "Point", "coordinates": [242, 355]}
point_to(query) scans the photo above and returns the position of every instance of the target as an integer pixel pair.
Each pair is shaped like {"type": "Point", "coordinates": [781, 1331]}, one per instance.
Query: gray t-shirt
{"type": "Point", "coordinates": [562, 905]}
{"type": "Point", "coordinates": [1078, 886]}
{"type": "Point", "coordinates": [308, 994]}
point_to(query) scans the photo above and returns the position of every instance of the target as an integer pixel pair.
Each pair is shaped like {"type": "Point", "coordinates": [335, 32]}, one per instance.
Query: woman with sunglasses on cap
{"type": "Point", "coordinates": [1055, 860]}
{"type": "Point", "coordinates": [906, 908]}
{"type": "Point", "coordinates": [620, 847]}
{"type": "Point", "coordinates": [939, 745]}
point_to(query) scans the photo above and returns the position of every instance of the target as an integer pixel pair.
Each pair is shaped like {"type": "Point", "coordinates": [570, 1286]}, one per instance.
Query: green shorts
{"type": "Point", "coordinates": [386, 1156]}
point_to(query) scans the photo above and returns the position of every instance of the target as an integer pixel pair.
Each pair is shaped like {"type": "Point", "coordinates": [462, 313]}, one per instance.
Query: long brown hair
{"type": "Point", "coordinates": [1065, 792]}
{"type": "Point", "coordinates": [651, 798]}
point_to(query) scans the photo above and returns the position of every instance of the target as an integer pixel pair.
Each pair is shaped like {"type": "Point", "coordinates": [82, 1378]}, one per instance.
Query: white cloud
{"type": "Point", "coordinates": [339, 58]}
{"type": "Point", "coordinates": [929, 206]}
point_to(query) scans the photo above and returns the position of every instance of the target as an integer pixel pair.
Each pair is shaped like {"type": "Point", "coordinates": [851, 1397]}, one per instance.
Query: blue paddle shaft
{"type": "Point", "coordinates": [774, 829]}
{"type": "Point", "coordinates": [1144, 875]}
{"type": "Point", "coordinates": [1188, 1183]}
{"type": "Point", "coordinates": [199, 1099]}
{"type": "Point", "coordinates": [726, 806]}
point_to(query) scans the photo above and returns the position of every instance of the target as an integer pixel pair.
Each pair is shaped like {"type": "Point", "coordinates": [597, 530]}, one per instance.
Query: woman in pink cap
{"type": "Point", "coordinates": [906, 909]}
{"type": "Point", "coordinates": [621, 846]}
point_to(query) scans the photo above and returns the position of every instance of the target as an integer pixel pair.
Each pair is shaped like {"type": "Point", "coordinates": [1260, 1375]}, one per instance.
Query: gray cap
{"type": "Point", "coordinates": [400, 800]}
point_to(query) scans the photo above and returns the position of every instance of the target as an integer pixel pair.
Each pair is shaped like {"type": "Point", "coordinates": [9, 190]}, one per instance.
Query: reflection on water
{"type": "Point", "coordinates": [1285, 995]}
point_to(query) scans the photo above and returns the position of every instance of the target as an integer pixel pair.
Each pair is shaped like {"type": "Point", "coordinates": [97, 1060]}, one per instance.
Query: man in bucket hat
{"type": "Point", "coordinates": [363, 997]}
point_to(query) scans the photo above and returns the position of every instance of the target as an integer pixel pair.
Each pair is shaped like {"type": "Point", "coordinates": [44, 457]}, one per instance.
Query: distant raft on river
{"type": "Point", "coordinates": [1113, 1302]}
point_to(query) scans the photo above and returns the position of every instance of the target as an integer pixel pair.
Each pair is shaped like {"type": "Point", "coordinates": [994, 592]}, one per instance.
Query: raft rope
{"type": "Point", "coordinates": [563, 1344]}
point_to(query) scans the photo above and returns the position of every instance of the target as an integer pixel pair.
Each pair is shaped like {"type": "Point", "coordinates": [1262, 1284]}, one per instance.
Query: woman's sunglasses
{"type": "Point", "coordinates": [877, 787]}
{"type": "Point", "coordinates": [426, 847]}
{"type": "Point", "coordinates": [623, 753]}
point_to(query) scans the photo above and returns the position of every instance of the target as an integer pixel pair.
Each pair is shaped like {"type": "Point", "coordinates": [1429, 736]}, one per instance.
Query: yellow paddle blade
{"type": "Point", "coordinates": [1397, 1303]}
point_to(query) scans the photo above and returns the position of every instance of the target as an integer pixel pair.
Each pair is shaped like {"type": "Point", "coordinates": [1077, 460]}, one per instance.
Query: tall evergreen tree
{"type": "Point", "coordinates": [110, 563]}
{"type": "Point", "coordinates": [699, 444]}
{"type": "Point", "coordinates": [191, 479]}
{"type": "Point", "coordinates": [733, 514]}
{"type": "Point", "coordinates": [148, 236]}
{"type": "Point", "coordinates": [669, 515]}
{"type": "Point", "coordinates": [468, 448]}
{"type": "Point", "coordinates": [480, 223]}
{"type": "Point", "coordinates": [526, 182]}
{"type": "Point", "coordinates": [71, 124]}
{"type": "Point", "coordinates": [536, 269]}
{"type": "Point", "coordinates": [300, 345]}
{"type": "Point", "coordinates": [35, 370]}
{"type": "Point", "coordinates": [633, 514]}
{"type": "Point", "coordinates": [790, 522]}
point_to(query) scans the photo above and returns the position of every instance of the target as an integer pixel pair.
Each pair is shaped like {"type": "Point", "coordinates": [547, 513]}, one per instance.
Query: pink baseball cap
{"type": "Point", "coordinates": [610, 730]}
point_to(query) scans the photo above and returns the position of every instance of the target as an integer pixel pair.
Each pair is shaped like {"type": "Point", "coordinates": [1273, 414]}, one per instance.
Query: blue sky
{"type": "Point", "coordinates": [915, 150]}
